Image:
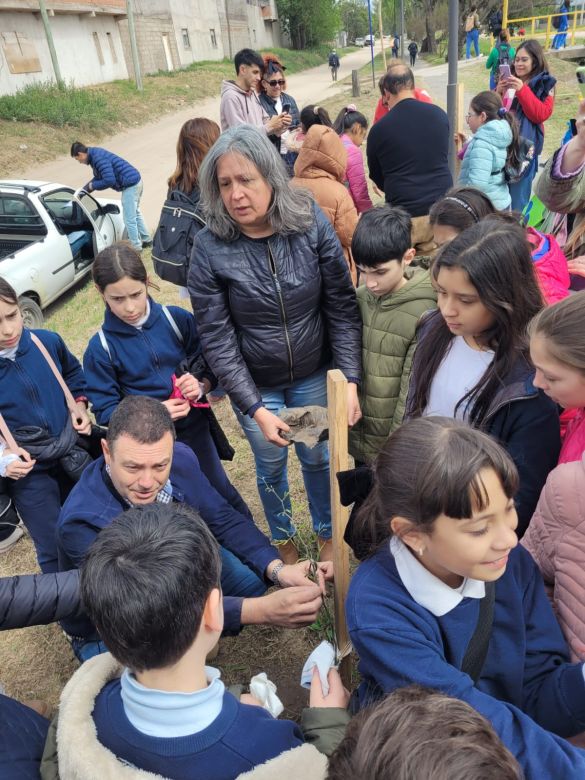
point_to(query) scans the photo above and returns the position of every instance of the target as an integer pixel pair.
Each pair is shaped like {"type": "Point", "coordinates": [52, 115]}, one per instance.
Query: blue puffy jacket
{"type": "Point", "coordinates": [485, 159]}
{"type": "Point", "coordinates": [109, 170]}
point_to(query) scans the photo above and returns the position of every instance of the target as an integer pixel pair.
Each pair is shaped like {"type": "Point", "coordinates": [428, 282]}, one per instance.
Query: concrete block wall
{"type": "Point", "coordinates": [149, 39]}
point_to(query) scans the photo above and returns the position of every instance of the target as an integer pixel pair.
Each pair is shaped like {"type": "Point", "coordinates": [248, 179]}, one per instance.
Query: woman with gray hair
{"type": "Point", "coordinates": [275, 308]}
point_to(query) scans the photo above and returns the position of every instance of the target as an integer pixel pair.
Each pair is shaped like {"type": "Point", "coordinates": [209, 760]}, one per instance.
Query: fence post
{"type": "Point", "coordinates": [355, 83]}
{"type": "Point", "coordinates": [338, 461]}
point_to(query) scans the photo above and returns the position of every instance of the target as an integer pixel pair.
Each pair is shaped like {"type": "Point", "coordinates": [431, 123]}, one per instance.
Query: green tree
{"type": "Point", "coordinates": [354, 18]}
{"type": "Point", "coordinates": [309, 22]}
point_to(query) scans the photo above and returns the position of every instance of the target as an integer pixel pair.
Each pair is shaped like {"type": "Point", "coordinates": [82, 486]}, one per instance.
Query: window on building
{"type": "Point", "coordinates": [98, 48]}
{"type": "Point", "coordinates": [213, 38]}
{"type": "Point", "coordinates": [21, 54]}
{"type": "Point", "coordinates": [186, 41]}
{"type": "Point", "coordinates": [112, 47]}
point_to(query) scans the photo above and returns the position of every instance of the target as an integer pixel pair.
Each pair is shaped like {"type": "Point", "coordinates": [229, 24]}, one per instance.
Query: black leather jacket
{"type": "Point", "coordinates": [271, 311]}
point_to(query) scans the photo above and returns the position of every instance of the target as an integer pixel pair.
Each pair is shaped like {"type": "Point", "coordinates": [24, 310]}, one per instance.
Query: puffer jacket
{"type": "Point", "coordinates": [556, 540]}
{"type": "Point", "coordinates": [272, 311]}
{"type": "Point", "coordinates": [550, 265]}
{"type": "Point", "coordinates": [389, 325]}
{"type": "Point", "coordinates": [484, 162]}
{"type": "Point", "coordinates": [37, 599]}
{"type": "Point", "coordinates": [73, 752]}
{"type": "Point", "coordinates": [320, 168]}
{"type": "Point", "coordinates": [356, 175]}
{"type": "Point", "coordinates": [565, 196]}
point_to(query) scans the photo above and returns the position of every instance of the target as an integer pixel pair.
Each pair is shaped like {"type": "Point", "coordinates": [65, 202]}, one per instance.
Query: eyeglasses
{"type": "Point", "coordinates": [522, 59]}
{"type": "Point", "coordinates": [470, 114]}
{"type": "Point", "coordinates": [276, 82]}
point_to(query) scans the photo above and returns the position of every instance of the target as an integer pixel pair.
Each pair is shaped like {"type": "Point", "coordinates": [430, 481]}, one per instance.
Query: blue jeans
{"type": "Point", "coordinates": [520, 191]}
{"type": "Point", "coordinates": [236, 580]}
{"type": "Point", "coordinates": [271, 460]}
{"type": "Point", "coordinates": [135, 227]}
{"type": "Point", "coordinates": [472, 37]}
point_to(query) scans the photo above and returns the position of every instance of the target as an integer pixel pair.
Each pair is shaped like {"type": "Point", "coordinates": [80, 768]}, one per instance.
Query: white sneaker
{"type": "Point", "coordinates": [10, 541]}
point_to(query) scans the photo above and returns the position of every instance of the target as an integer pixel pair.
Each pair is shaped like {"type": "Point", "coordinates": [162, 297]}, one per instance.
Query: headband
{"type": "Point", "coordinates": [465, 205]}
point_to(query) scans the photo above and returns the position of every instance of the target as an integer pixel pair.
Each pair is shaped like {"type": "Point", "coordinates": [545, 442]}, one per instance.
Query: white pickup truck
{"type": "Point", "coordinates": [49, 236]}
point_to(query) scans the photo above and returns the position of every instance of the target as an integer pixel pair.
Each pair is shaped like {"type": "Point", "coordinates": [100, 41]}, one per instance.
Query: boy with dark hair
{"type": "Point", "coordinates": [240, 104]}
{"type": "Point", "coordinates": [391, 301]}
{"type": "Point", "coordinates": [151, 585]}
{"type": "Point", "coordinates": [417, 734]}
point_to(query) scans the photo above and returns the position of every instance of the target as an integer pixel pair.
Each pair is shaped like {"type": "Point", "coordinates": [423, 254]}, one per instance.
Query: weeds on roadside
{"type": "Point", "coordinates": [45, 102]}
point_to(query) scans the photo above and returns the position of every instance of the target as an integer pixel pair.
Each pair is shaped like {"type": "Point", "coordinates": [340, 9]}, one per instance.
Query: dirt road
{"type": "Point", "coordinates": [151, 148]}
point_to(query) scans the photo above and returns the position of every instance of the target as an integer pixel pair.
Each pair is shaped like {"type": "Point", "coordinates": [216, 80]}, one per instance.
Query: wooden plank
{"type": "Point", "coordinates": [338, 461]}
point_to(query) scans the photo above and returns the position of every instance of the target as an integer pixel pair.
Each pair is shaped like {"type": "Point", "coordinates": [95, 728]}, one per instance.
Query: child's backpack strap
{"type": "Point", "coordinates": [104, 342]}
{"type": "Point", "coordinates": [173, 324]}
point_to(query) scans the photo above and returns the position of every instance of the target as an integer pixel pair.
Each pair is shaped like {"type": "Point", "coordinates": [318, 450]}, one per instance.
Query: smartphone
{"type": "Point", "coordinates": [580, 73]}
{"type": "Point", "coordinates": [286, 108]}
{"type": "Point", "coordinates": [505, 71]}
{"type": "Point", "coordinates": [573, 123]}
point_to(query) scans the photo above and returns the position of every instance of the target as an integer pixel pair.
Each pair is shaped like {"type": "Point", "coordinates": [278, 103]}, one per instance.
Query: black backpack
{"type": "Point", "coordinates": [556, 22]}
{"type": "Point", "coordinates": [180, 221]}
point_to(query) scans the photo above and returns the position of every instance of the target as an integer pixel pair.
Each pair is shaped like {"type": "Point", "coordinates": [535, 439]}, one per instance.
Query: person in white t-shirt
{"type": "Point", "coordinates": [472, 360]}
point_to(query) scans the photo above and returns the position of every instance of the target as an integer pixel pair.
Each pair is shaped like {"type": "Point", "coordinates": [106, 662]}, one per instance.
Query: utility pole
{"type": "Point", "coordinates": [402, 33]}
{"type": "Point", "coordinates": [453, 54]}
{"type": "Point", "coordinates": [51, 45]}
{"type": "Point", "coordinates": [133, 46]}
{"type": "Point", "coordinates": [229, 29]}
{"type": "Point", "coordinates": [371, 42]}
{"type": "Point", "coordinates": [381, 32]}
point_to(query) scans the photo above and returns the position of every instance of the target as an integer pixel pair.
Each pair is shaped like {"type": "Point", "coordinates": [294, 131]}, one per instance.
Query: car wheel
{"type": "Point", "coordinates": [32, 314]}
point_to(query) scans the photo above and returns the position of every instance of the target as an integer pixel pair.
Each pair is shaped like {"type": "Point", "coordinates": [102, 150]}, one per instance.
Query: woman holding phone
{"type": "Point", "coordinates": [276, 101]}
{"type": "Point", "coordinates": [532, 104]}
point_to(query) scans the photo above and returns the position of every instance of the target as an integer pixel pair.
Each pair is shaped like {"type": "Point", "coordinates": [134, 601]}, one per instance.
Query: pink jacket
{"type": "Point", "coordinates": [556, 540]}
{"type": "Point", "coordinates": [550, 265]}
{"type": "Point", "coordinates": [573, 445]}
{"type": "Point", "coordinates": [356, 176]}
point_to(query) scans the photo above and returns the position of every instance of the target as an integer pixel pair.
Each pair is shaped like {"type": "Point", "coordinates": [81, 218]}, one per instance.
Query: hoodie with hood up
{"type": "Point", "coordinates": [320, 168]}
{"type": "Point", "coordinates": [239, 107]}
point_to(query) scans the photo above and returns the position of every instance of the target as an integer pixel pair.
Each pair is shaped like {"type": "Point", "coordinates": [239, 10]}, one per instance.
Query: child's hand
{"type": "Point", "coordinates": [338, 696]}
{"type": "Point", "coordinates": [81, 419]}
{"type": "Point", "coordinates": [189, 386]}
{"type": "Point", "coordinates": [178, 407]}
{"type": "Point", "coordinates": [20, 468]}
{"type": "Point", "coordinates": [459, 138]}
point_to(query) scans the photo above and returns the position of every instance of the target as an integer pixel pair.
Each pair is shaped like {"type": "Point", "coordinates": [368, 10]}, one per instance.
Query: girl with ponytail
{"type": "Point", "coordinates": [352, 126]}
{"type": "Point", "coordinates": [492, 149]}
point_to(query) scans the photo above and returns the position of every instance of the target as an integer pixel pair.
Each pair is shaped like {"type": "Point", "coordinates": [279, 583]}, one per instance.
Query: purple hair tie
{"type": "Point", "coordinates": [502, 112]}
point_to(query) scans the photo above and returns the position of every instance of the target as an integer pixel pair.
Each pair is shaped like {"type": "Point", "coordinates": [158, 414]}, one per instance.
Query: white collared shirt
{"type": "Point", "coordinates": [426, 589]}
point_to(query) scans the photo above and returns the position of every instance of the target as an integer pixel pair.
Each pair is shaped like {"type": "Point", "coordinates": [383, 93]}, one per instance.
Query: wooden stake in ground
{"type": "Point", "coordinates": [338, 461]}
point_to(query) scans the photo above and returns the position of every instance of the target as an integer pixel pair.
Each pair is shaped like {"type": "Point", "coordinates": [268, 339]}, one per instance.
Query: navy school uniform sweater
{"type": "Point", "coordinates": [141, 360]}
{"type": "Point", "coordinates": [92, 505]}
{"type": "Point", "coordinates": [527, 688]}
{"type": "Point", "coordinates": [240, 738]}
{"type": "Point", "coordinates": [29, 393]}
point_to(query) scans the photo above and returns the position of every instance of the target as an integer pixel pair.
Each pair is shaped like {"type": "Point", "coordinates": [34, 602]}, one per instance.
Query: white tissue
{"type": "Point", "coordinates": [323, 657]}
{"type": "Point", "coordinates": [264, 690]}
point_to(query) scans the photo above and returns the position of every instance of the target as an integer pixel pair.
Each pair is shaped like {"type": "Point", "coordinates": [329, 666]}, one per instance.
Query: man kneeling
{"type": "Point", "coordinates": [151, 585]}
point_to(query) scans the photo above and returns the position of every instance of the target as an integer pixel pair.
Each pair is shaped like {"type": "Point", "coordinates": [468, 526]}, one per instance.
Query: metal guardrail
{"type": "Point", "coordinates": [541, 26]}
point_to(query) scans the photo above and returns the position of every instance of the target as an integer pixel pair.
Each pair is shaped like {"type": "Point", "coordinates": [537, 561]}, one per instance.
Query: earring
{"type": "Point", "coordinates": [421, 551]}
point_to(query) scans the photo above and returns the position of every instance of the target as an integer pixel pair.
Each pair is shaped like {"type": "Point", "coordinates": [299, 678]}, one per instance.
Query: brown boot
{"type": "Point", "coordinates": [288, 552]}
{"type": "Point", "coordinates": [325, 549]}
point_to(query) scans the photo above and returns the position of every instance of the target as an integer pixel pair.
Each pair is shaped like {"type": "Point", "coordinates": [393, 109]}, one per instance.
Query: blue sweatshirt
{"type": "Point", "coordinates": [109, 170]}
{"type": "Point", "coordinates": [527, 689]}
{"type": "Point", "coordinates": [141, 361]}
{"type": "Point", "coordinates": [92, 505]}
{"type": "Point", "coordinates": [29, 393]}
{"type": "Point", "coordinates": [240, 738]}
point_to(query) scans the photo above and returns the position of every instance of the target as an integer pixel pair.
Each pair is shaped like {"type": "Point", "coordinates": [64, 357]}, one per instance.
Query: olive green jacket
{"type": "Point", "coordinates": [388, 328]}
